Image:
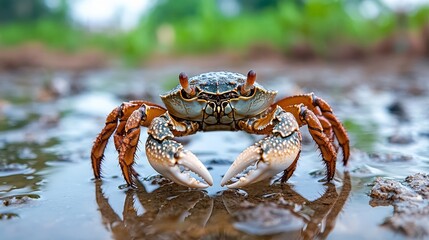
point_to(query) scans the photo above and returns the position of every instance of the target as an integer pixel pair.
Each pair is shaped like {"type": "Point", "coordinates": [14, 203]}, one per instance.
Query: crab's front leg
{"type": "Point", "coordinates": [277, 152]}
{"type": "Point", "coordinates": [168, 157]}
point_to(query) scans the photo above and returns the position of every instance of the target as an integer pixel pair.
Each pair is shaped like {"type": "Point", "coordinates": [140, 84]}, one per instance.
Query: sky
{"type": "Point", "coordinates": [105, 13]}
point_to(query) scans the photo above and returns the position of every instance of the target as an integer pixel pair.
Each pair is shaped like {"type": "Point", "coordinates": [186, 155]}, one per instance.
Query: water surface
{"type": "Point", "coordinates": [48, 123]}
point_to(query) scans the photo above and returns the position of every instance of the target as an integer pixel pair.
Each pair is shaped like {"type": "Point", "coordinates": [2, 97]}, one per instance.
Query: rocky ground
{"type": "Point", "coordinates": [410, 201]}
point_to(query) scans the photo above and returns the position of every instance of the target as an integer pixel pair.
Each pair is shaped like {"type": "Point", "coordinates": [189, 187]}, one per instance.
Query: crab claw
{"type": "Point", "coordinates": [170, 160]}
{"type": "Point", "coordinates": [270, 156]}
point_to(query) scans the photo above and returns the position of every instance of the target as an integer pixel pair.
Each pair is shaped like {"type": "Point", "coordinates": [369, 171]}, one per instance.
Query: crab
{"type": "Point", "coordinates": [217, 101]}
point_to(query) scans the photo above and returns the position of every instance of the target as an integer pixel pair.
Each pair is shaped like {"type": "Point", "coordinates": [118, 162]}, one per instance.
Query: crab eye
{"type": "Point", "coordinates": [248, 85]}
{"type": "Point", "coordinates": [184, 82]}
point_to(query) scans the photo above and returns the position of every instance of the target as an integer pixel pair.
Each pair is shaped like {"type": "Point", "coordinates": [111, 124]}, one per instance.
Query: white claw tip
{"type": "Point", "coordinates": [185, 160]}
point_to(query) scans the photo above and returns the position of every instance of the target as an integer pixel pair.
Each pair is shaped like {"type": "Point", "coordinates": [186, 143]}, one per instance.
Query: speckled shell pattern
{"type": "Point", "coordinates": [218, 104]}
{"type": "Point", "coordinates": [284, 143]}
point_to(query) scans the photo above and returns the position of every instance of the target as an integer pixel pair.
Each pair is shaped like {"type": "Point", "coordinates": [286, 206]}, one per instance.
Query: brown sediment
{"type": "Point", "coordinates": [35, 55]}
{"type": "Point", "coordinates": [410, 201]}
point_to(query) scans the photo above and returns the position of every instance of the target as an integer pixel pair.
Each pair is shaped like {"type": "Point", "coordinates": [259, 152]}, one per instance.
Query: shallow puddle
{"type": "Point", "coordinates": [47, 191]}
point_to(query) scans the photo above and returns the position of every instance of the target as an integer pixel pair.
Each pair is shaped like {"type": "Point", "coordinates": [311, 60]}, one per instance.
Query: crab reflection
{"type": "Point", "coordinates": [169, 210]}
{"type": "Point", "coordinates": [175, 212]}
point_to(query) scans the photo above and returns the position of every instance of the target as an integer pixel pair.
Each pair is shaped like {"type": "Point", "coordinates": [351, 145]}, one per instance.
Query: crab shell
{"type": "Point", "coordinates": [218, 101]}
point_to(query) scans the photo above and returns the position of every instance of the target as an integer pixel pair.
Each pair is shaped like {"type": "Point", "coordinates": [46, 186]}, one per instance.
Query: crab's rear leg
{"type": "Point", "coordinates": [324, 112]}
{"type": "Point", "coordinates": [115, 123]}
{"type": "Point", "coordinates": [305, 116]}
{"type": "Point", "coordinates": [277, 152]}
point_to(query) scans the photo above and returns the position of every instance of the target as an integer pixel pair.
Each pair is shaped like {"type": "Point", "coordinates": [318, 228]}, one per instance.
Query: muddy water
{"type": "Point", "coordinates": [49, 120]}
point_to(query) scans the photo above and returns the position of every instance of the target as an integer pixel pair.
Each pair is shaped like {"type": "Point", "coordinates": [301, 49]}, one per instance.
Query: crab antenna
{"type": "Point", "coordinates": [248, 85]}
{"type": "Point", "coordinates": [184, 82]}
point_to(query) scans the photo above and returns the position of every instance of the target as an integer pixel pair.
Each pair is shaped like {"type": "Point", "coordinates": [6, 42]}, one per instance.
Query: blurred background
{"type": "Point", "coordinates": [64, 65]}
{"type": "Point", "coordinates": [137, 31]}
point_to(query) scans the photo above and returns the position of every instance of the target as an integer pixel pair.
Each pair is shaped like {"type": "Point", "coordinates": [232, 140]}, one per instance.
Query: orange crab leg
{"type": "Point", "coordinates": [140, 117]}
{"type": "Point", "coordinates": [321, 108]}
{"type": "Point", "coordinates": [327, 127]}
{"type": "Point", "coordinates": [121, 115]}
{"type": "Point", "coordinates": [305, 116]}
{"type": "Point", "coordinates": [97, 152]}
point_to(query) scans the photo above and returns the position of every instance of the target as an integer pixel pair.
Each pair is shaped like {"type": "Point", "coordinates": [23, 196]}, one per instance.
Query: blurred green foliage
{"type": "Point", "coordinates": [29, 10]}
{"type": "Point", "coordinates": [32, 20]}
{"type": "Point", "coordinates": [365, 136]}
{"type": "Point", "coordinates": [200, 26]}
{"type": "Point", "coordinates": [195, 26]}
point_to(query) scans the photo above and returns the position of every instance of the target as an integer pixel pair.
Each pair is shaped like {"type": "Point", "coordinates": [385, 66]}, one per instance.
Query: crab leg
{"type": "Point", "coordinates": [118, 115]}
{"type": "Point", "coordinates": [327, 127]}
{"type": "Point", "coordinates": [305, 116]}
{"type": "Point", "coordinates": [168, 157]}
{"type": "Point", "coordinates": [116, 122]}
{"type": "Point", "coordinates": [277, 152]}
{"type": "Point", "coordinates": [321, 108]}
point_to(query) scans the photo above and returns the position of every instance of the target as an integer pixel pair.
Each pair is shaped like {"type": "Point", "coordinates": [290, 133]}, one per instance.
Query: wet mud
{"type": "Point", "coordinates": [410, 201]}
{"type": "Point", "coordinates": [48, 121]}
